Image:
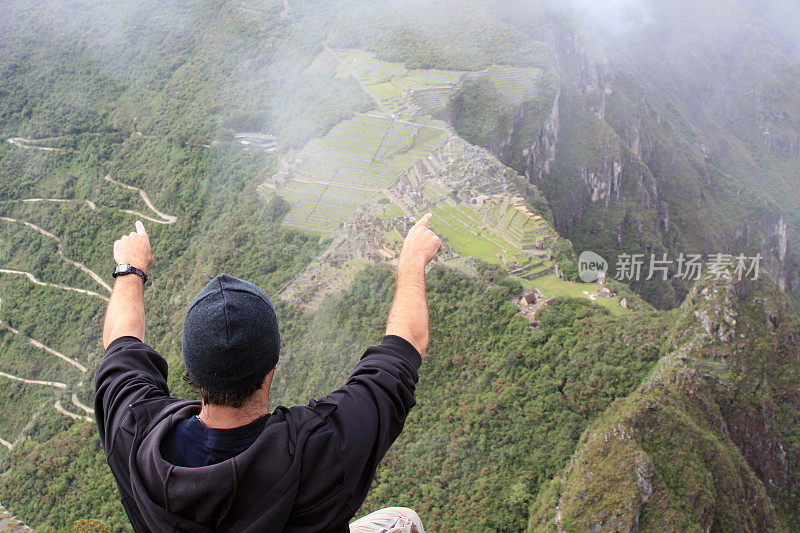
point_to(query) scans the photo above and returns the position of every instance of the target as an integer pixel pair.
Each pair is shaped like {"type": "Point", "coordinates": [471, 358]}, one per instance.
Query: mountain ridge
{"type": "Point", "coordinates": [514, 410]}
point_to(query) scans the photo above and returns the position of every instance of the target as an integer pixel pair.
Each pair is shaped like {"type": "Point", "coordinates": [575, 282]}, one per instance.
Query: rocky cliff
{"type": "Point", "coordinates": [624, 169]}
{"type": "Point", "coordinates": [709, 429]}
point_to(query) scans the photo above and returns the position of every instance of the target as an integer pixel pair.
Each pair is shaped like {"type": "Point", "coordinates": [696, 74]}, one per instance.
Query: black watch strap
{"type": "Point", "coordinates": [125, 268]}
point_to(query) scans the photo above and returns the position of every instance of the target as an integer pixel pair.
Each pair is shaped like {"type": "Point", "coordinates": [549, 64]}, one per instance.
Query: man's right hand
{"type": "Point", "coordinates": [420, 245]}
{"type": "Point", "coordinates": [408, 317]}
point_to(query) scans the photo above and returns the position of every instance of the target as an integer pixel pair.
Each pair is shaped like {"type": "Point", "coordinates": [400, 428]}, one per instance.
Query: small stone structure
{"type": "Point", "coordinates": [531, 302]}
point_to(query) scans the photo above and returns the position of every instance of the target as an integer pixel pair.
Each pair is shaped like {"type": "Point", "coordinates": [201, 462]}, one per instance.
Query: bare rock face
{"type": "Point", "coordinates": [717, 315]}
{"type": "Point", "coordinates": [604, 185]}
{"type": "Point", "coordinates": [768, 235]}
{"type": "Point", "coordinates": [542, 152]}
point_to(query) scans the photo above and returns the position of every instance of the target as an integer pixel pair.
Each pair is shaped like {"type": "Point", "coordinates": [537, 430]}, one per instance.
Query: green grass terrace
{"type": "Point", "coordinates": [349, 166]}
{"type": "Point", "coordinates": [389, 81]}
{"type": "Point", "coordinates": [553, 286]}
{"type": "Point", "coordinates": [514, 84]}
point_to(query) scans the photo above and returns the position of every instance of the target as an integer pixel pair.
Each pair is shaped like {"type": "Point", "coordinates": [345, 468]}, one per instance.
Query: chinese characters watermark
{"type": "Point", "coordinates": [691, 267]}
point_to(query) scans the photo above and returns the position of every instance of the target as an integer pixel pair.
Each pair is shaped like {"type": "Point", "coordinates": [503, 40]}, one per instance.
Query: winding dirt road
{"type": "Point", "coordinates": [33, 279]}
{"type": "Point", "coordinates": [77, 403]}
{"type": "Point", "coordinates": [56, 384]}
{"type": "Point", "coordinates": [75, 416]}
{"type": "Point", "coordinates": [47, 349]}
{"type": "Point", "coordinates": [21, 142]}
{"type": "Point", "coordinates": [91, 204]}
{"type": "Point", "coordinates": [167, 219]}
{"type": "Point", "coordinates": [164, 219]}
{"type": "Point", "coordinates": [57, 405]}
{"type": "Point", "coordinates": [27, 143]}
{"type": "Point", "coordinates": [60, 251]}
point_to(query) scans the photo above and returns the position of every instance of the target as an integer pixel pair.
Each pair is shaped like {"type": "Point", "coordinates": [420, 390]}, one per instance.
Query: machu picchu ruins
{"type": "Point", "coordinates": [366, 181]}
{"type": "Point", "coordinates": [458, 183]}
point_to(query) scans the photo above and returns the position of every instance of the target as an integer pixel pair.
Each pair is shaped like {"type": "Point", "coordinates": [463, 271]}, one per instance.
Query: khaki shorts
{"type": "Point", "coordinates": [389, 520]}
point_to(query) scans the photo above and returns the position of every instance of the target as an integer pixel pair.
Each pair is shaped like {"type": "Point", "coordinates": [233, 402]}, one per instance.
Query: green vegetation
{"type": "Point", "coordinates": [344, 169]}
{"type": "Point", "coordinates": [463, 241]}
{"type": "Point", "coordinates": [500, 405]}
{"type": "Point", "coordinates": [514, 85]}
{"type": "Point", "coordinates": [478, 112]}
{"type": "Point", "coordinates": [472, 37]}
{"type": "Point", "coordinates": [487, 106]}
{"type": "Point", "coordinates": [68, 469]}
{"type": "Point", "coordinates": [553, 286]}
{"type": "Point", "coordinates": [683, 450]}
{"type": "Point", "coordinates": [583, 411]}
{"type": "Point", "coordinates": [147, 127]}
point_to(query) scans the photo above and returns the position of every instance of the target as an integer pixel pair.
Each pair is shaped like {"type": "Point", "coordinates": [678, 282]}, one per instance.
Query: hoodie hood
{"type": "Point", "coordinates": [248, 492]}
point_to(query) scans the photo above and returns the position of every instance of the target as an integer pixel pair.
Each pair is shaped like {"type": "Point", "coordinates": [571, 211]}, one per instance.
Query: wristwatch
{"type": "Point", "coordinates": [125, 268]}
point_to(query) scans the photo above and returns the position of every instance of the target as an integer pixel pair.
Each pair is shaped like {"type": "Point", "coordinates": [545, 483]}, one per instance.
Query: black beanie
{"type": "Point", "coordinates": [230, 336]}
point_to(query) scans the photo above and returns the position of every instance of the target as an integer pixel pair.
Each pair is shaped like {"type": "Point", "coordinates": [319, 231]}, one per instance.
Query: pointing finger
{"type": "Point", "coordinates": [140, 227]}
{"type": "Point", "coordinates": [424, 220]}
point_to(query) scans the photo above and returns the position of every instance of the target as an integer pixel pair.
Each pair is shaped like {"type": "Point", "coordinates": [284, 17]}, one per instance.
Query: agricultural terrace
{"type": "Point", "coordinates": [517, 225]}
{"type": "Point", "coordinates": [514, 84]}
{"type": "Point", "coordinates": [349, 166]}
{"type": "Point", "coordinates": [553, 286]}
{"type": "Point", "coordinates": [392, 83]}
{"type": "Point", "coordinates": [470, 233]}
{"type": "Point", "coordinates": [464, 230]}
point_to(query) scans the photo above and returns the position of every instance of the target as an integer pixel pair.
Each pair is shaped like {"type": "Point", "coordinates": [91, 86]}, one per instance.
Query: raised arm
{"type": "Point", "coordinates": [371, 409]}
{"type": "Point", "coordinates": [408, 317]}
{"type": "Point", "coordinates": [125, 312]}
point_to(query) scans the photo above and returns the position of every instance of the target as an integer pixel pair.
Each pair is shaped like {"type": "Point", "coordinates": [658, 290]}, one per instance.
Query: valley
{"type": "Point", "coordinates": [294, 144]}
{"type": "Point", "coordinates": [81, 367]}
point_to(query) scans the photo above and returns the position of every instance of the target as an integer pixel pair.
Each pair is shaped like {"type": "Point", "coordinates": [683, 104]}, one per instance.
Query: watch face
{"type": "Point", "coordinates": [125, 267]}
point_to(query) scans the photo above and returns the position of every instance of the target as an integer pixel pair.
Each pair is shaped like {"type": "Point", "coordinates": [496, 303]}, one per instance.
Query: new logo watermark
{"type": "Point", "coordinates": [638, 267]}
{"type": "Point", "coordinates": [591, 266]}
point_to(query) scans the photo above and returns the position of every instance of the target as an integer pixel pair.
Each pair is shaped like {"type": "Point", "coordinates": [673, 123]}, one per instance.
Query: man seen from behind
{"type": "Point", "coordinates": [228, 463]}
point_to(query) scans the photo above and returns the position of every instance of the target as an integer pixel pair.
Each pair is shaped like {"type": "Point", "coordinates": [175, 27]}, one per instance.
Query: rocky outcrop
{"type": "Point", "coordinates": [768, 235]}
{"type": "Point", "coordinates": [542, 152]}
{"type": "Point", "coordinates": [604, 183]}
{"type": "Point", "coordinates": [709, 438]}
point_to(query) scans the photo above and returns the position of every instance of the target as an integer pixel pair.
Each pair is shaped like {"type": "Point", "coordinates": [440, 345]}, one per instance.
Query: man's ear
{"type": "Point", "coordinates": [268, 378]}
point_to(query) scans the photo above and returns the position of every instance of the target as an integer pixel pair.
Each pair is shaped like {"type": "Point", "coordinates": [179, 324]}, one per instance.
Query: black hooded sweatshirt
{"type": "Point", "coordinates": [309, 470]}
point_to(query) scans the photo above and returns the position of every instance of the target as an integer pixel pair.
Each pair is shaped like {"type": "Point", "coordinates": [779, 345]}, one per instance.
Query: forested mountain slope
{"type": "Point", "coordinates": [111, 113]}
{"type": "Point", "coordinates": [674, 129]}
{"type": "Point", "coordinates": [709, 439]}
